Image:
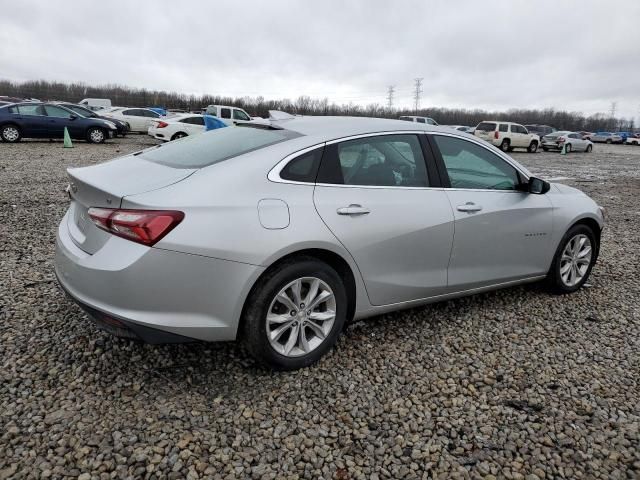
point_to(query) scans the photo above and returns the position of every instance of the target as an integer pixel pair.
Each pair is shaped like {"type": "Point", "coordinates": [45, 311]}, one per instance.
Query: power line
{"type": "Point", "coordinates": [390, 91]}
{"type": "Point", "coordinates": [417, 92]}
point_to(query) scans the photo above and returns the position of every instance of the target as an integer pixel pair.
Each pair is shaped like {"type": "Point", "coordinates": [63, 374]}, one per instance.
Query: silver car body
{"type": "Point", "coordinates": [557, 139]}
{"type": "Point", "coordinates": [413, 246]}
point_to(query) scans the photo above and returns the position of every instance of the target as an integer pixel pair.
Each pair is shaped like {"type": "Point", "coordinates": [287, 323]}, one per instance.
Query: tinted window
{"type": "Point", "coordinates": [225, 112]}
{"type": "Point", "coordinates": [504, 127]}
{"type": "Point", "coordinates": [408, 119]}
{"type": "Point", "coordinates": [150, 113]}
{"type": "Point", "coordinates": [56, 112]}
{"type": "Point", "coordinates": [240, 115]}
{"type": "Point", "coordinates": [303, 168]}
{"type": "Point", "coordinates": [486, 127]}
{"type": "Point", "coordinates": [431, 121]}
{"type": "Point", "coordinates": [193, 120]}
{"type": "Point", "coordinates": [215, 146]}
{"type": "Point", "coordinates": [133, 112]}
{"type": "Point", "coordinates": [471, 166]}
{"type": "Point", "coordinates": [30, 110]}
{"type": "Point", "coordinates": [386, 160]}
{"type": "Point", "coordinates": [420, 120]}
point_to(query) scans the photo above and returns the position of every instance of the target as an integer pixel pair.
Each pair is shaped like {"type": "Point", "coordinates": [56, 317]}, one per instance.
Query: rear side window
{"type": "Point", "coordinates": [486, 127]}
{"type": "Point", "coordinates": [199, 151]}
{"type": "Point", "coordinates": [383, 161]}
{"type": "Point", "coordinates": [31, 110]}
{"type": "Point", "coordinates": [420, 120]}
{"type": "Point", "coordinates": [303, 168]}
{"type": "Point", "coordinates": [504, 127]}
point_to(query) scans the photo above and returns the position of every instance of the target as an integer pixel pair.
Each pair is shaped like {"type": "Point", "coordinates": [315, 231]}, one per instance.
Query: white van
{"type": "Point", "coordinates": [96, 103]}
{"type": "Point", "coordinates": [415, 118]}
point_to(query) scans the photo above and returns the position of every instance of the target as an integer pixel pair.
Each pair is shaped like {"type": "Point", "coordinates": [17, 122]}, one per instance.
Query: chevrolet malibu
{"type": "Point", "coordinates": [278, 234]}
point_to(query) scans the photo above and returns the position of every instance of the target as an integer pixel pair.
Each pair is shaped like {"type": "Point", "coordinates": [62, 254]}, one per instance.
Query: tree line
{"type": "Point", "coordinates": [305, 105]}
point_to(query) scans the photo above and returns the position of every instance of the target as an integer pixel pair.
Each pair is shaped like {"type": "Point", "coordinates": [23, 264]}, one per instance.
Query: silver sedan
{"type": "Point", "coordinates": [280, 234]}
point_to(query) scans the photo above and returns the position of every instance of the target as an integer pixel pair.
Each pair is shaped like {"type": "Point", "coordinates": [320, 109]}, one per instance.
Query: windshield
{"type": "Point", "coordinates": [215, 146]}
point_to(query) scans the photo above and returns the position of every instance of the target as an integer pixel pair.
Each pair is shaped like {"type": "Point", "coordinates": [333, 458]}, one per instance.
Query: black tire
{"type": "Point", "coordinates": [254, 327]}
{"type": "Point", "coordinates": [554, 279]}
{"type": "Point", "coordinates": [545, 149]}
{"type": "Point", "coordinates": [96, 135]}
{"type": "Point", "coordinates": [10, 133]}
{"type": "Point", "coordinates": [505, 146]}
{"type": "Point", "coordinates": [589, 148]}
{"type": "Point", "coordinates": [567, 148]}
{"type": "Point", "coordinates": [533, 147]}
{"type": "Point", "coordinates": [609, 141]}
{"type": "Point", "coordinates": [179, 135]}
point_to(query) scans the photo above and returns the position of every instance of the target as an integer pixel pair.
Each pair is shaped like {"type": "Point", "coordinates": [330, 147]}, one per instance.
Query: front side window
{"type": "Point", "coordinates": [385, 160]}
{"type": "Point", "coordinates": [420, 120]}
{"type": "Point", "coordinates": [471, 166]}
{"type": "Point", "coordinates": [240, 115]}
{"type": "Point", "coordinates": [134, 112]}
{"type": "Point", "coordinates": [56, 112]}
{"type": "Point", "coordinates": [193, 120]}
{"type": "Point", "coordinates": [225, 112]}
{"type": "Point", "coordinates": [504, 127]}
{"type": "Point", "coordinates": [303, 168]}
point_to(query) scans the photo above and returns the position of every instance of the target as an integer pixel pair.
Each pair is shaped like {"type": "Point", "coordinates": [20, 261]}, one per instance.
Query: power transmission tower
{"type": "Point", "coordinates": [612, 111]}
{"type": "Point", "coordinates": [417, 92]}
{"type": "Point", "coordinates": [390, 91]}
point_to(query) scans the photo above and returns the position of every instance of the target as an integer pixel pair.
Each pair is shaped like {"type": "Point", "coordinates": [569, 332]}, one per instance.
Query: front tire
{"type": "Point", "coordinates": [589, 148]}
{"type": "Point", "coordinates": [10, 133]}
{"type": "Point", "coordinates": [567, 148]}
{"type": "Point", "coordinates": [179, 135]}
{"type": "Point", "coordinates": [533, 147]}
{"type": "Point", "coordinates": [573, 260]}
{"type": "Point", "coordinates": [294, 314]}
{"type": "Point", "coordinates": [96, 135]}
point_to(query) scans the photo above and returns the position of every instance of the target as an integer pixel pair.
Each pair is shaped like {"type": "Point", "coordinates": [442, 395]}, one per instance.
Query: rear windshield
{"type": "Point", "coordinates": [486, 127]}
{"type": "Point", "coordinates": [202, 150]}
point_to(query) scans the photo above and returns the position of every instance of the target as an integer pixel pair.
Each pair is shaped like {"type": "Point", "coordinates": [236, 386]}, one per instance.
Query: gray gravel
{"type": "Point", "coordinates": [515, 384]}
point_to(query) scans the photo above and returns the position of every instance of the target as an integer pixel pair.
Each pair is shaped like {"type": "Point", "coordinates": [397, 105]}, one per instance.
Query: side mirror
{"type": "Point", "coordinates": [538, 186]}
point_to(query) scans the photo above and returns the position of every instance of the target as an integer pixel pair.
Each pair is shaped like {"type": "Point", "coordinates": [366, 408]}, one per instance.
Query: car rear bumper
{"type": "Point", "coordinates": [153, 294]}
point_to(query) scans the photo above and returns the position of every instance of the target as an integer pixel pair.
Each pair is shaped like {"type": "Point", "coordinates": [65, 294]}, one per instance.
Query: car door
{"type": "Point", "coordinates": [58, 119]}
{"type": "Point", "coordinates": [240, 116]}
{"type": "Point", "coordinates": [502, 233]}
{"type": "Point", "coordinates": [518, 136]}
{"type": "Point", "coordinates": [136, 119]}
{"type": "Point", "coordinates": [32, 120]}
{"type": "Point", "coordinates": [384, 204]}
{"type": "Point", "coordinates": [225, 115]}
{"type": "Point", "coordinates": [577, 143]}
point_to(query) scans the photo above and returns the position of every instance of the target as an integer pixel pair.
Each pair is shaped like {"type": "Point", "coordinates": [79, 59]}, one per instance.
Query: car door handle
{"type": "Point", "coordinates": [353, 209]}
{"type": "Point", "coordinates": [469, 207]}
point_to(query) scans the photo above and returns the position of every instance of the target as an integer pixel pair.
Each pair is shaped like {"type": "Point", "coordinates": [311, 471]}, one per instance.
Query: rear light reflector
{"type": "Point", "coordinates": [496, 135]}
{"type": "Point", "coordinates": [142, 226]}
{"type": "Point", "coordinates": [162, 124]}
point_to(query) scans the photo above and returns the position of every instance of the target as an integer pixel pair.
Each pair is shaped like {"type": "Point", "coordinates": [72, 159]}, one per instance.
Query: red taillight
{"type": "Point", "coordinates": [496, 134]}
{"type": "Point", "coordinates": [142, 226]}
{"type": "Point", "coordinates": [162, 124]}
{"type": "Point", "coordinates": [562, 140]}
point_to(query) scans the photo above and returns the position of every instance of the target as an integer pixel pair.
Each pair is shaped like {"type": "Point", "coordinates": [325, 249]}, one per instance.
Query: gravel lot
{"type": "Point", "coordinates": [515, 384]}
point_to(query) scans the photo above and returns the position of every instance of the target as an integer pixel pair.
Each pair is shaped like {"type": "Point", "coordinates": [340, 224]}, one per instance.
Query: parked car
{"type": "Point", "coordinates": [280, 234]}
{"type": "Point", "coordinates": [121, 126]}
{"type": "Point", "coordinates": [139, 119]}
{"type": "Point", "coordinates": [411, 118]}
{"type": "Point", "coordinates": [540, 130]}
{"type": "Point", "coordinates": [95, 103]}
{"type": "Point", "coordinates": [229, 115]}
{"type": "Point", "coordinates": [572, 141]}
{"type": "Point", "coordinates": [624, 135]}
{"type": "Point", "coordinates": [507, 136]}
{"type": "Point", "coordinates": [48, 120]}
{"type": "Point", "coordinates": [178, 127]}
{"type": "Point", "coordinates": [586, 135]}
{"type": "Point", "coordinates": [633, 139]}
{"type": "Point", "coordinates": [606, 137]}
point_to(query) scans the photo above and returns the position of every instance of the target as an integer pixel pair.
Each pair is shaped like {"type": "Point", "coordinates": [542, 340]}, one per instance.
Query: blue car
{"type": "Point", "coordinates": [48, 120]}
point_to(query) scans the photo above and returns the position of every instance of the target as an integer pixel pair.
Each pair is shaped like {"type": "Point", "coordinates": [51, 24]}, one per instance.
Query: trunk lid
{"type": "Point", "coordinates": [105, 185]}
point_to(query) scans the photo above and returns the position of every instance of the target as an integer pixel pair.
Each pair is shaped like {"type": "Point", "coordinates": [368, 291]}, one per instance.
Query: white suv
{"type": "Point", "coordinates": [411, 118]}
{"type": "Point", "coordinates": [507, 136]}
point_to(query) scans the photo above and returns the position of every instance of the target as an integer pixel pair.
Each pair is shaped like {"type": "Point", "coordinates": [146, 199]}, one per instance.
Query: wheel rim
{"type": "Point", "coordinates": [301, 317]}
{"type": "Point", "coordinates": [96, 135]}
{"type": "Point", "coordinates": [10, 134]}
{"type": "Point", "coordinates": [534, 147]}
{"type": "Point", "coordinates": [575, 261]}
{"type": "Point", "coordinates": [568, 148]}
{"type": "Point", "coordinates": [505, 146]}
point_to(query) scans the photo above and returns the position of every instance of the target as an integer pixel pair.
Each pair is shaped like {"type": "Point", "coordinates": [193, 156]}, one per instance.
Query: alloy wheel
{"type": "Point", "coordinates": [10, 134]}
{"type": "Point", "coordinates": [575, 260]}
{"type": "Point", "coordinates": [96, 136]}
{"type": "Point", "coordinates": [301, 317]}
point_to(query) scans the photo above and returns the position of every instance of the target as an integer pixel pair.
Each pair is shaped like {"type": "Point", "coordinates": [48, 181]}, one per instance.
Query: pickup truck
{"type": "Point", "coordinates": [229, 115]}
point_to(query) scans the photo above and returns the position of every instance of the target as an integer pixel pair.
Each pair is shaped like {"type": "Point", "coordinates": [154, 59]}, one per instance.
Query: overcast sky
{"type": "Point", "coordinates": [495, 54]}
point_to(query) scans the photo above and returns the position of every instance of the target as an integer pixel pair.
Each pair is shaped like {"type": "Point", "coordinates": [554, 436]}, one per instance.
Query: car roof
{"type": "Point", "coordinates": [338, 127]}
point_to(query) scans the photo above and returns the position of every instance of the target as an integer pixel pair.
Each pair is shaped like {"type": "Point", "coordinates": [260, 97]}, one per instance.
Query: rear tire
{"type": "Point", "coordinates": [567, 148]}
{"type": "Point", "coordinates": [179, 135]}
{"type": "Point", "coordinates": [568, 273]}
{"type": "Point", "coordinates": [609, 141]}
{"type": "Point", "coordinates": [545, 149]}
{"type": "Point", "coordinates": [10, 133]}
{"type": "Point", "coordinates": [533, 147]}
{"type": "Point", "coordinates": [96, 135]}
{"type": "Point", "coordinates": [589, 148]}
{"type": "Point", "coordinates": [265, 314]}
{"type": "Point", "coordinates": [505, 146]}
